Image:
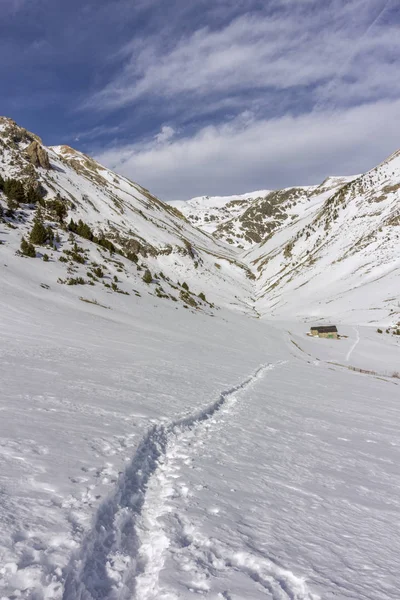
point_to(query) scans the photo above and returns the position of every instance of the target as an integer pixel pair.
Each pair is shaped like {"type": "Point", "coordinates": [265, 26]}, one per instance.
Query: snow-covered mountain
{"type": "Point", "coordinates": [210, 212]}
{"type": "Point", "coordinates": [318, 251]}
{"type": "Point", "coordinates": [245, 220]}
{"type": "Point", "coordinates": [339, 257]}
{"type": "Point", "coordinates": [145, 232]}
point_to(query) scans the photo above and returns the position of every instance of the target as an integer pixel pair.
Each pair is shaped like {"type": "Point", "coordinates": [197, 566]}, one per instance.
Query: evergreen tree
{"type": "Point", "coordinates": [39, 234]}
{"type": "Point", "coordinates": [58, 207]}
{"type": "Point", "coordinates": [27, 249]}
{"type": "Point", "coordinates": [32, 195]}
{"type": "Point", "coordinates": [14, 190]}
{"type": "Point", "coordinates": [72, 226]}
{"type": "Point", "coordinates": [84, 230]}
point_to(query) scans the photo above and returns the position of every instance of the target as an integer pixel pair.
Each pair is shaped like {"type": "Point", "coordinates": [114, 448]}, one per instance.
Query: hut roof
{"type": "Point", "coordinates": [325, 329]}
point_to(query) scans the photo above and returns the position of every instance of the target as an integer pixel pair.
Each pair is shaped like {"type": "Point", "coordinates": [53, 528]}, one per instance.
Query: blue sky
{"type": "Point", "coordinates": [192, 97]}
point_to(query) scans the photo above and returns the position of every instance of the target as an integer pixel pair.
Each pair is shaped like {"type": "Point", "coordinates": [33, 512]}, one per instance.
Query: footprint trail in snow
{"type": "Point", "coordinates": [124, 553]}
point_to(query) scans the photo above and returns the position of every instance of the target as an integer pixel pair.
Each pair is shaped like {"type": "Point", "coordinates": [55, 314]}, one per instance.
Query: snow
{"type": "Point", "coordinates": [207, 212]}
{"type": "Point", "coordinates": [153, 453]}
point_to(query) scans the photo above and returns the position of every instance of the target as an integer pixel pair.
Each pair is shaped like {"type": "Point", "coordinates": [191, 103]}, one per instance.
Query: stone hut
{"type": "Point", "coordinates": [325, 331]}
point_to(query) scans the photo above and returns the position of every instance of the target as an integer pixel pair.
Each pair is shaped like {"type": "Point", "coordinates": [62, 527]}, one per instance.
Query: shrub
{"type": "Point", "coordinates": [76, 254]}
{"type": "Point", "coordinates": [185, 286]}
{"type": "Point", "coordinates": [202, 297]}
{"type": "Point", "coordinates": [147, 277]}
{"type": "Point", "coordinates": [379, 330]}
{"type": "Point", "coordinates": [105, 244]}
{"type": "Point", "coordinates": [186, 297]}
{"type": "Point", "coordinates": [63, 259]}
{"type": "Point", "coordinates": [132, 256]}
{"type": "Point", "coordinates": [288, 250]}
{"type": "Point", "coordinates": [98, 271]}
{"type": "Point", "coordinates": [75, 281]}
{"type": "Point", "coordinates": [46, 257]}
{"type": "Point", "coordinates": [27, 249]}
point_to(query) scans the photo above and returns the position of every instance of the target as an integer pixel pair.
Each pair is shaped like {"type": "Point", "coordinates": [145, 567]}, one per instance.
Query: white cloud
{"type": "Point", "coordinates": [308, 90]}
{"type": "Point", "coordinates": [166, 133]}
{"type": "Point", "coordinates": [325, 49]}
{"type": "Point", "coordinates": [248, 154]}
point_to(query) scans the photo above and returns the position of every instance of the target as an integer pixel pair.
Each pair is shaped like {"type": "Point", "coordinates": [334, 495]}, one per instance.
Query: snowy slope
{"type": "Point", "coordinates": [145, 454]}
{"type": "Point", "coordinates": [124, 213]}
{"type": "Point", "coordinates": [340, 260]}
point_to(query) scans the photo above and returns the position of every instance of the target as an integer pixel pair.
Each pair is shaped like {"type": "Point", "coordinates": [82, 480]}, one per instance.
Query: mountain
{"type": "Point", "coordinates": [328, 251]}
{"type": "Point", "coordinates": [322, 252]}
{"type": "Point", "coordinates": [144, 232]}
{"type": "Point", "coordinates": [210, 212]}
{"type": "Point", "coordinates": [248, 219]}
{"type": "Point", "coordinates": [340, 257]}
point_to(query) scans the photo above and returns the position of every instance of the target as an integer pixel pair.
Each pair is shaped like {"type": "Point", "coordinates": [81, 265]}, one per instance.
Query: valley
{"type": "Point", "coordinates": [168, 430]}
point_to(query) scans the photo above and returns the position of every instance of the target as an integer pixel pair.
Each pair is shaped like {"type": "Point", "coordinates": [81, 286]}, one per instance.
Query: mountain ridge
{"type": "Point", "coordinates": [263, 253]}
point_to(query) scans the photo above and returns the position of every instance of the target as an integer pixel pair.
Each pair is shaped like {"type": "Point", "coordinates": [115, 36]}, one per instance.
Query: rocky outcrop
{"type": "Point", "coordinates": [38, 155]}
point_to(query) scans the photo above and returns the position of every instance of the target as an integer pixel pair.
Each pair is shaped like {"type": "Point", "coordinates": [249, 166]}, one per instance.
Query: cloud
{"type": "Point", "coordinates": [98, 131]}
{"type": "Point", "coordinates": [257, 95]}
{"type": "Point", "coordinates": [248, 154]}
{"type": "Point", "coordinates": [166, 134]}
{"type": "Point", "coordinates": [258, 52]}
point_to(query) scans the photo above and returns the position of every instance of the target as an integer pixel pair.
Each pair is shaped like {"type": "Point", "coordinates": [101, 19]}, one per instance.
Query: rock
{"type": "Point", "coordinates": [38, 155]}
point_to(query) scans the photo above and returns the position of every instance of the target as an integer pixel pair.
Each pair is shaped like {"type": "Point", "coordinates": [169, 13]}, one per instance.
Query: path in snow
{"type": "Point", "coordinates": [124, 552]}
{"type": "Point", "coordinates": [354, 345]}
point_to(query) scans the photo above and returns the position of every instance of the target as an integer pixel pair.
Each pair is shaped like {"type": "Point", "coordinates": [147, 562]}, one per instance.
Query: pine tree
{"type": "Point", "coordinates": [14, 190]}
{"type": "Point", "coordinates": [72, 226]}
{"type": "Point", "coordinates": [32, 195]}
{"type": "Point", "coordinates": [39, 234]}
{"type": "Point", "coordinates": [84, 230]}
{"type": "Point", "coordinates": [27, 249]}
